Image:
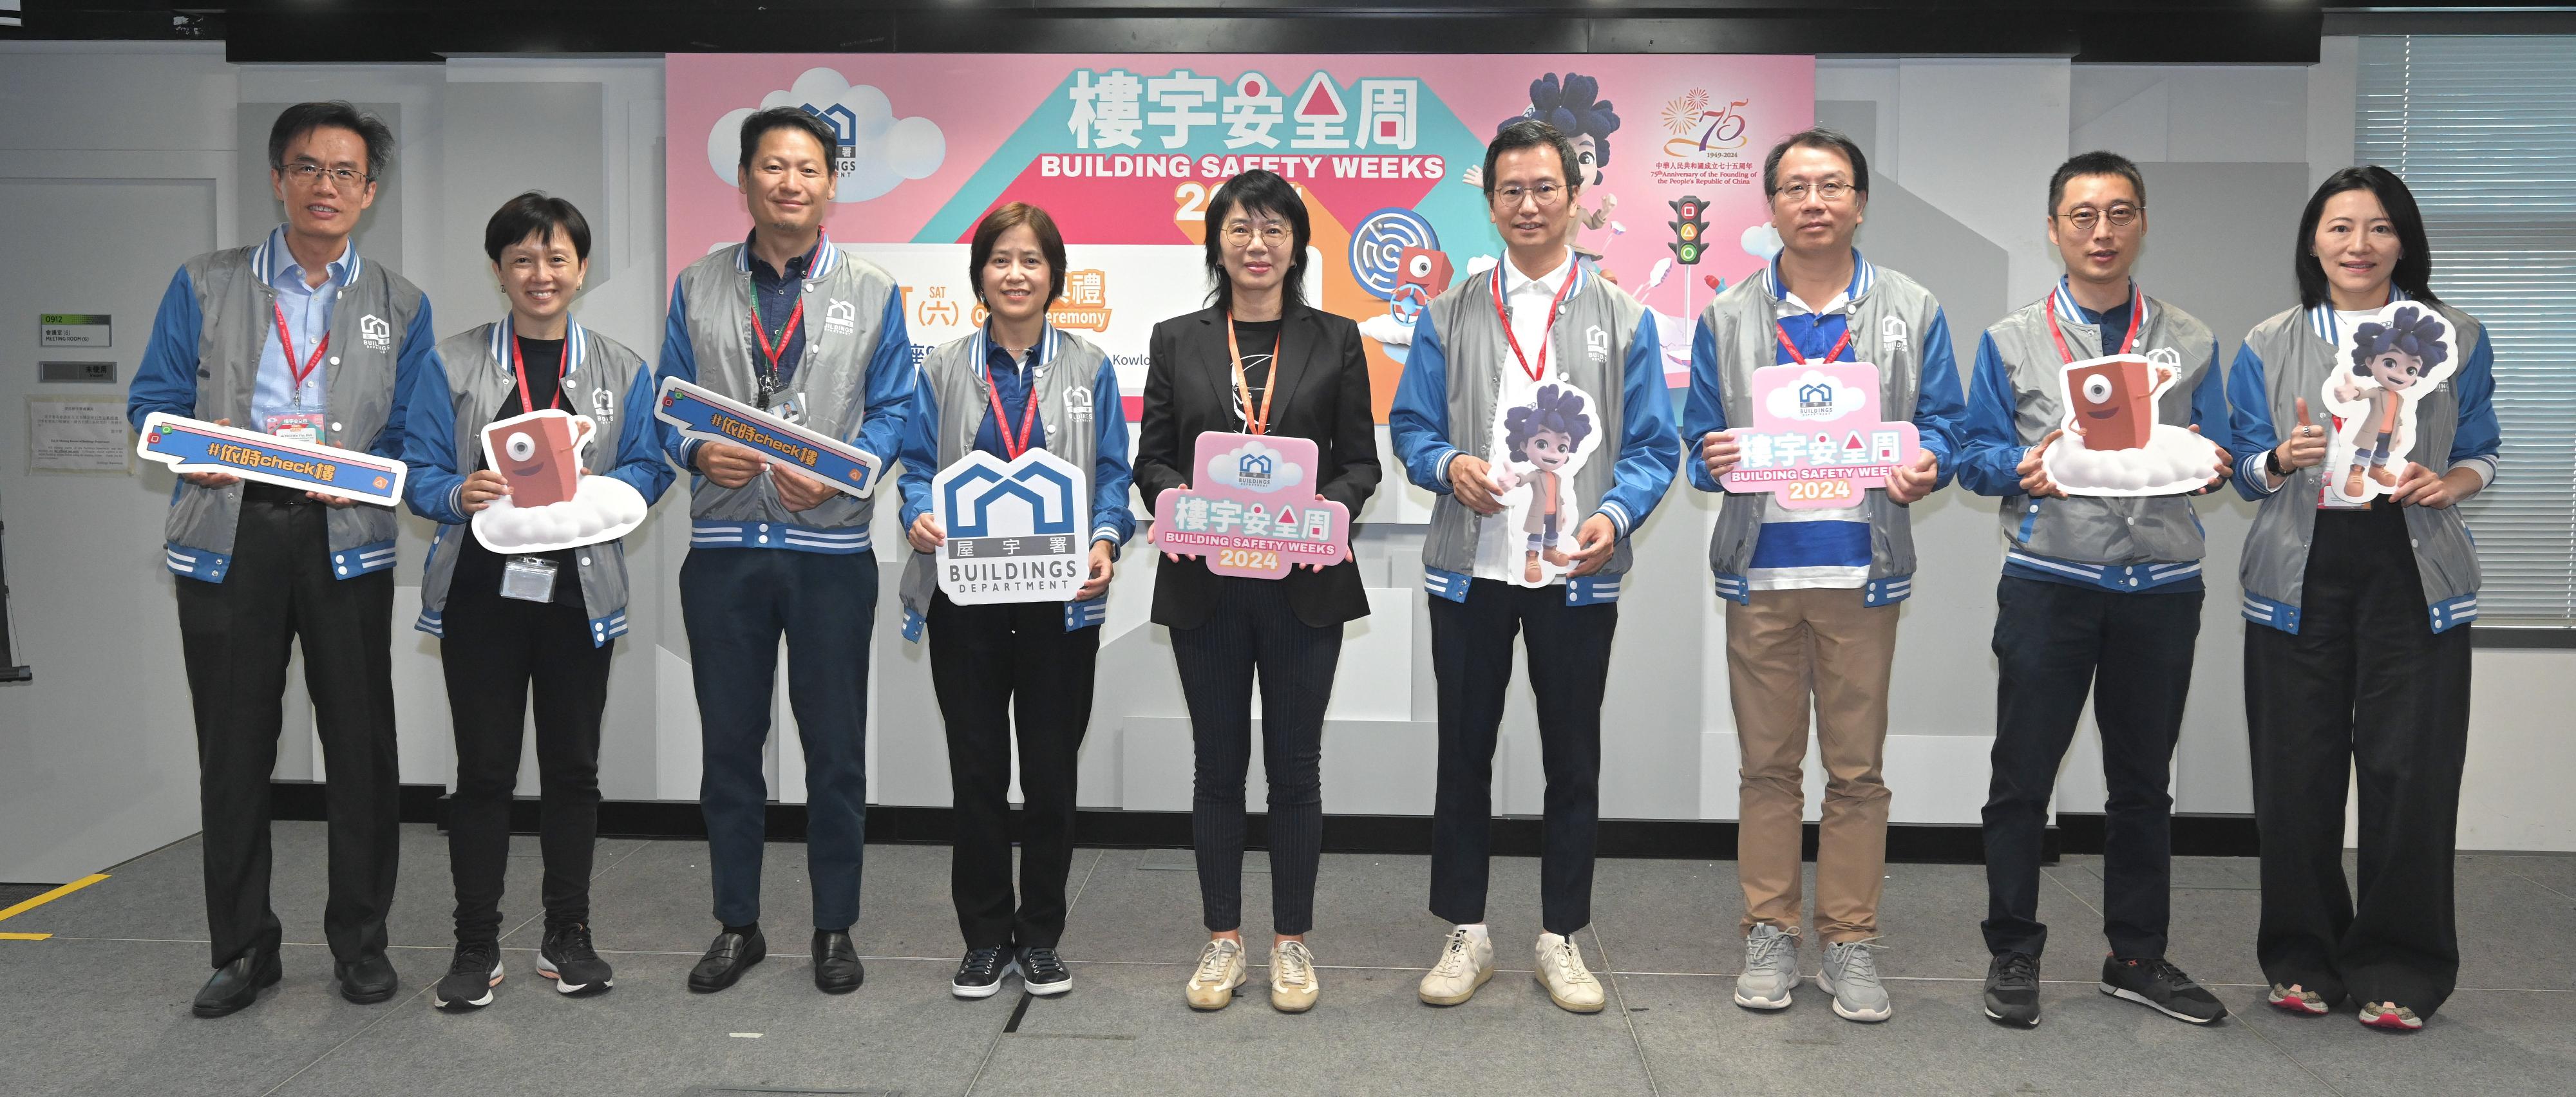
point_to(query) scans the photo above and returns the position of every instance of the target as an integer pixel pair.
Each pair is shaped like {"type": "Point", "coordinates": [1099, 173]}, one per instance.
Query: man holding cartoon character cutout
{"type": "Point", "coordinates": [1534, 405]}
{"type": "Point", "coordinates": [2101, 590]}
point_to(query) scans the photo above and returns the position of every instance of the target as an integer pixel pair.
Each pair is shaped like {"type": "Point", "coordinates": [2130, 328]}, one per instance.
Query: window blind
{"type": "Point", "coordinates": [2483, 130]}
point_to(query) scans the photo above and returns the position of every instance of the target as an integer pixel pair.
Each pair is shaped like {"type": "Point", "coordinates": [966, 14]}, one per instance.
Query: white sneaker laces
{"type": "Point", "coordinates": [1212, 962]}
{"type": "Point", "coordinates": [1860, 962]}
{"type": "Point", "coordinates": [1766, 950]}
{"type": "Point", "coordinates": [1569, 962]}
{"type": "Point", "coordinates": [1458, 957]}
{"type": "Point", "coordinates": [1291, 964]}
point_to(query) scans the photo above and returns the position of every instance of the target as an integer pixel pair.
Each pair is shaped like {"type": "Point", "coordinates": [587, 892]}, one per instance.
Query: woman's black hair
{"type": "Point", "coordinates": [535, 212]}
{"type": "Point", "coordinates": [1251, 193]}
{"type": "Point", "coordinates": [2414, 332]}
{"type": "Point", "coordinates": [2414, 271]}
{"type": "Point", "coordinates": [988, 234]}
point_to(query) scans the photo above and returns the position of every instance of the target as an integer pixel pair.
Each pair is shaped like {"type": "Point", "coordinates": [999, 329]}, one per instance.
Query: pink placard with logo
{"type": "Point", "coordinates": [1818, 438]}
{"type": "Point", "coordinates": [1250, 508]}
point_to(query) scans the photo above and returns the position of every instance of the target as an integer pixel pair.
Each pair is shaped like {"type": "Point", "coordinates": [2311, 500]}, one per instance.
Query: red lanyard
{"type": "Point", "coordinates": [2137, 306]}
{"type": "Point", "coordinates": [1255, 423]}
{"type": "Point", "coordinates": [286, 344]}
{"type": "Point", "coordinates": [1012, 447]}
{"type": "Point", "coordinates": [527, 403]}
{"type": "Point", "coordinates": [785, 333]}
{"type": "Point", "coordinates": [1503, 314]}
{"type": "Point", "coordinates": [1799, 356]}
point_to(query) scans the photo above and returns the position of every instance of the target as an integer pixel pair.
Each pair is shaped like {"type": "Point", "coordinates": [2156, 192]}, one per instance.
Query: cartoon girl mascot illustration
{"type": "Point", "coordinates": [1575, 107]}
{"type": "Point", "coordinates": [2394, 364]}
{"type": "Point", "coordinates": [1543, 445]}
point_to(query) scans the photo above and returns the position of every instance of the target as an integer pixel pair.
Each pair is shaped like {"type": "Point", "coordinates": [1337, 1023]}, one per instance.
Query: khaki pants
{"type": "Point", "coordinates": [1784, 646]}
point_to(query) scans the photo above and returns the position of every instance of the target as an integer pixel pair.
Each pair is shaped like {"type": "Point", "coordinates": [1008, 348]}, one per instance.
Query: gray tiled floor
{"type": "Point", "coordinates": [101, 1008]}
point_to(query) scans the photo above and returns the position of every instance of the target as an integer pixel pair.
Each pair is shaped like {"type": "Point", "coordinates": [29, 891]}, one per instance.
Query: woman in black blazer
{"type": "Point", "coordinates": [1289, 628]}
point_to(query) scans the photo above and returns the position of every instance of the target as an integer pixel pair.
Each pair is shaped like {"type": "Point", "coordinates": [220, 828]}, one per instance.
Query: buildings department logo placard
{"type": "Point", "coordinates": [1017, 530]}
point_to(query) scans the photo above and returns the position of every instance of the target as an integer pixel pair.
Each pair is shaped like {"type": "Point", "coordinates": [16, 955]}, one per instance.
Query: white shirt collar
{"type": "Point", "coordinates": [1514, 281]}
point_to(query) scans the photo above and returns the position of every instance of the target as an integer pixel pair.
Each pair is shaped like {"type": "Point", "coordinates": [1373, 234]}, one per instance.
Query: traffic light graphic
{"type": "Point", "coordinates": [1689, 232]}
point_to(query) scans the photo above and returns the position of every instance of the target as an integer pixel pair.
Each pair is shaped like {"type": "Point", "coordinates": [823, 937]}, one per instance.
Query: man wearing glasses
{"type": "Point", "coordinates": [2098, 593]}
{"type": "Point", "coordinates": [300, 338]}
{"type": "Point", "coordinates": [1811, 593]}
{"type": "Point", "coordinates": [1533, 404]}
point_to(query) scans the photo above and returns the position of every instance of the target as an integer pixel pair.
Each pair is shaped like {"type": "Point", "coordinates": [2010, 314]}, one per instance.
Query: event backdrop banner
{"type": "Point", "coordinates": [1124, 150]}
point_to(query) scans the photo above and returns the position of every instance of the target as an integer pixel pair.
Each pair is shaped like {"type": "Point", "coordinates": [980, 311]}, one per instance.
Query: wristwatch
{"type": "Point", "coordinates": [2272, 464]}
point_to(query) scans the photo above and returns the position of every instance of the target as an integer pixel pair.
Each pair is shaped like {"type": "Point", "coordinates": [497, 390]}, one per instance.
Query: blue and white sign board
{"type": "Point", "coordinates": [1017, 531]}
{"type": "Point", "coordinates": [193, 445]}
{"type": "Point", "coordinates": [705, 416]}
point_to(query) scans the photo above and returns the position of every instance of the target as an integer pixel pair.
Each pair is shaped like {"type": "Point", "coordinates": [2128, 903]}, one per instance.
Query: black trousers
{"type": "Point", "coordinates": [737, 603]}
{"type": "Point", "coordinates": [994, 666]}
{"type": "Point", "coordinates": [1471, 656]}
{"type": "Point", "coordinates": [236, 637]}
{"type": "Point", "coordinates": [497, 651]}
{"type": "Point", "coordinates": [2055, 643]}
{"type": "Point", "coordinates": [1252, 628]}
{"type": "Point", "coordinates": [2365, 685]}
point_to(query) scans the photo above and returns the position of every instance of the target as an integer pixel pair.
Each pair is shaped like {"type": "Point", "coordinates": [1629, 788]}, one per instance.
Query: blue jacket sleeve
{"type": "Point", "coordinates": [889, 383]}
{"type": "Point", "coordinates": [436, 476]}
{"type": "Point", "coordinates": [919, 452]}
{"type": "Point", "coordinates": [1704, 410]}
{"type": "Point", "coordinates": [1991, 450]}
{"type": "Point", "coordinates": [2478, 437]}
{"type": "Point", "coordinates": [418, 364]}
{"type": "Point", "coordinates": [1938, 409]}
{"type": "Point", "coordinates": [679, 359]}
{"type": "Point", "coordinates": [1649, 446]}
{"type": "Point", "coordinates": [1418, 420]}
{"type": "Point", "coordinates": [640, 461]}
{"type": "Point", "coordinates": [2249, 418]}
{"type": "Point", "coordinates": [2209, 404]}
{"type": "Point", "coordinates": [166, 380]}
{"type": "Point", "coordinates": [1111, 520]}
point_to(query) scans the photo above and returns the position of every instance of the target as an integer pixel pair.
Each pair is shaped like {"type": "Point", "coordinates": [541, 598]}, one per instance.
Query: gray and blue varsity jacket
{"type": "Point", "coordinates": [203, 361]}
{"type": "Point", "coordinates": [601, 379]}
{"type": "Point", "coordinates": [1605, 344]}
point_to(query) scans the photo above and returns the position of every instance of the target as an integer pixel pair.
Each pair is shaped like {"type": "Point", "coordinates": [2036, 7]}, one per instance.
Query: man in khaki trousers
{"type": "Point", "coordinates": [1811, 593]}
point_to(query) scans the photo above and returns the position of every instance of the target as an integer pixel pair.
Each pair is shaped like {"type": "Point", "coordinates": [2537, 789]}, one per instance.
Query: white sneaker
{"type": "Point", "coordinates": [1293, 985]}
{"type": "Point", "coordinates": [1220, 971]}
{"type": "Point", "coordinates": [1466, 961]}
{"type": "Point", "coordinates": [1770, 968]}
{"type": "Point", "coordinates": [1561, 971]}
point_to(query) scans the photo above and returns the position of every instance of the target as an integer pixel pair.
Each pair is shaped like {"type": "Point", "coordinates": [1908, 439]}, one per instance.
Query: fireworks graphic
{"type": "Point", "coordinates": [1685, 112]}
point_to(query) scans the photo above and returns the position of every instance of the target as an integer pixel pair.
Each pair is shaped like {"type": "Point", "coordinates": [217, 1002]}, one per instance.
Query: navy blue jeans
{"type": "Point", "coordinates": [737, 603]}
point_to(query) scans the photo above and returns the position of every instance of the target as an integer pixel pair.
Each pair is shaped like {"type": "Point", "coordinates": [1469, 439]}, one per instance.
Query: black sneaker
{"type": "Point", "coordinates": [2159, 985]}
{"type": "Point", "coordinates": [470, 978]}
{"type": "Point", "coordinates": [2012, 989]}
{"type": "Point", "coordinates": [980, 974]}
{"type": "Point", "coordinates": [566, 957]}
{"type": "Point", "coordinates": [726, 959]}
{"type": "Point", "coordinates": [1043, 972]}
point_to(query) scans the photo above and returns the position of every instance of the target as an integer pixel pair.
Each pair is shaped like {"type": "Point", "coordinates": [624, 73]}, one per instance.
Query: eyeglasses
{"type": "Point", "coordinates": [1240, 233]}
{"type": "Point", "coordinates": [1831, 190]}
{"type": "Point", "coordinates": [2084, 219]}
{"type": "Point", "coordinates": [1548, 194]}
{"type": "Point", "coordinates": [307, 172]}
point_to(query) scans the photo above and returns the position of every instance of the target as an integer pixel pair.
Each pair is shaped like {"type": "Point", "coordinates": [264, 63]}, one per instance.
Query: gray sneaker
{"type": "Point", "coordinates": [1770, 968]}
{"type": "Point", "coordinates": [1850, 974]}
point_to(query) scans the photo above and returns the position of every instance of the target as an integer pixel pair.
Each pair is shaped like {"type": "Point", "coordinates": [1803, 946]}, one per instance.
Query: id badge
{"type": "Point", "coordinates": [528, 579]}
{"type": "Point", "coordinates": [790, 407]}
{"type": "Point", "coordinates": [305, 428]}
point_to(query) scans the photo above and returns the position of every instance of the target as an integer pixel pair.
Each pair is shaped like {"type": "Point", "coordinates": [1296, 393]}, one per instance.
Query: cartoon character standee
{"type": "Point", "coordinates": [2393, 365]}
{"type": "Point", "coordinates": [1575, 107]}
{"type": "Point", "coordinates": [2112, 402]}
{"type": "Point", "coordinates": [1543, 445]}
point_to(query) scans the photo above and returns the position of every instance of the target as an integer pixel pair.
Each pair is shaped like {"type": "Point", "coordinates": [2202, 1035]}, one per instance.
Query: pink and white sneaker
{"type": "Point", "coordinates": [2391, 1017]}
{"type": "Point", "coordinates": [2305, 1003]}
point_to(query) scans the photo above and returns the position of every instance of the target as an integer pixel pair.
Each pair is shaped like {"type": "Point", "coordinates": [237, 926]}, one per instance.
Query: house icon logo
{"type": "Point", "coordinates": [1252, 471]}
{"type": "Point", "coordinates": [975, 498]}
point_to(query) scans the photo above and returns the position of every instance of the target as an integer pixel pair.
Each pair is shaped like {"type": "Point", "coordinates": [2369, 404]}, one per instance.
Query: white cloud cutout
{"type": "Point", "coordinates": [1761, 241]}
{"type": "Point", "coordinates": [603, 508]}
{"type": "Point", "coordinates": [1387, 329]}
{"type": "Point", "coordinates": [1225, 468]}
{"type": "Point", "coordinates": [1787, 401]}
{"type": "Point", "coordinates": [2174, 459]}
{"type": "Point", "coordinates": [887, 150]}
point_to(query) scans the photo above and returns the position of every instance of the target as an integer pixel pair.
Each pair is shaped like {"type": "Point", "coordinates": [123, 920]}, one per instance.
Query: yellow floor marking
{"type": "Point", "coordinates": [41, 900]}
{"type": "Point", "coordinates": [24, 936]}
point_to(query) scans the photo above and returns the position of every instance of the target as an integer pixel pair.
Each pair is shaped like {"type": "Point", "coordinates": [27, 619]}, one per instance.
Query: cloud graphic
{"type": "Point", "coordinates": [2173, 460]}
{"type": "Point", "coordinates": [1761, 242]}
{"type": "Point", "coordinates": [887, 151]}
{"type": "Point", "coordinates": [1388, 330]}
{"type": "Point", "coordinates": [1789, 401]}
{"type": "Point", "coordinates": [603, 508]}
{"type": "Point", "coordinates": [1227, 468]}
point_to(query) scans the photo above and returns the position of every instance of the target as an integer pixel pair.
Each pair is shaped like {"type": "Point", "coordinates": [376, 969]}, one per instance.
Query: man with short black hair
{"type": "Point", "coordinates": [1811, 593]}
{"type": "Point", "coordinates": [786, 323]}
{"type": "Point", "coordinates": [1533, 404]}
{"type": "Point", "coordinates": [300, 338]}
{"type": "Point", "coordinates": [2099, 594]}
